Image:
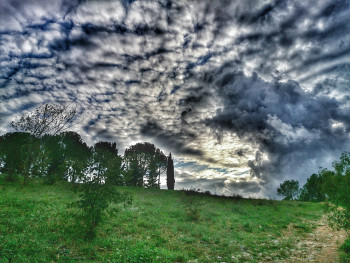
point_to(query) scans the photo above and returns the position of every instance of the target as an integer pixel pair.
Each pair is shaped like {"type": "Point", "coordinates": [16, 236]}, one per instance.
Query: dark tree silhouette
{"type": "Point", "coordinates": [14, 153]}
{"type": "Point", "coordinates": [104, 163]}
{"type": "Point", "coordinates": [158, 163]}
{"type": "Point", "coordinates": [289, 189]}
{"type": "Point", "coordinates": [170, 177]}
{"type": "Point", "coordinates": [143, 165]}
{"type": "Point", "coordinates": [107, 154]}
{"type": "Point", "coordinates": [57, 158]}
{"type": "Point", "coordinates": [53, 158]}
{"type": "Point", "coordinates": [75, 153]}
{"type": "Point", "coordinates": [313, 189]}
{"type": "Point", "coordinates": [49, 119]}
{"type": "Point", "coordinates": [135, 164]}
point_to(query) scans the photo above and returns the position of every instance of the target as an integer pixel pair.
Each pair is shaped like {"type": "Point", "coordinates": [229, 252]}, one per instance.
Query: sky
{"type": "Point", "coordinates": [244, 94]}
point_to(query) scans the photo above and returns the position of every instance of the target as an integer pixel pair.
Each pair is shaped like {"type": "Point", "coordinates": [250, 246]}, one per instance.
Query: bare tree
{"type": "Point", "coordinates": [47, 119]}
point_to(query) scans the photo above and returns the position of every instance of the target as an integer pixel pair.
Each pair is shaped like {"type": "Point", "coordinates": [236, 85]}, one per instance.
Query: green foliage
{"type": "Point", "coordinates": [289, 189]}
{"type": "Point", "coordinates": [337, 183]}
{"type": "Point", "coordinates": [337, 187]}
{"type": "Point", "coordinates": [108, 162]}
{"type": "Point", "coordinates": [65, 156]}
{"type": "Point", "coordinates": [95, 198]}
{"type": "Point", "coordinates": [313, 189]}
{"type": "Point", "coordinates": [143, 164]}
{"type": "Point", "coordinates": [333, 186]}
{"type": "Point", "coordinates": [346, 246]}
{"type": "Point", "coordinates": [97, 192]}
{"type": "Point", "coordinates": [247, 227]}
{"type": "Point", "coordinates": [35, 159]}
{"type": "Point", "coordinates": [23, 154]}
{"type": "Point", "coordinates": [345, 251]}
{"type": "Point", "coordinates": [12, 178]}
{"type": "Point", "coordinates": [38, 227]}
{"type": "Point", "coordinates": [338, 218]}
{"type": "Point", "coordinates": [140, 252]}
{"type": "Point", "coordinates": [68, 157]}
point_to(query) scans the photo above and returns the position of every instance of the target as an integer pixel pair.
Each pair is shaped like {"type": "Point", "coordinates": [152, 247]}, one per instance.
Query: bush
{"type": "Point", "coordinates": [248, 228]}
{"type": "Point", "coordinates": [94, 201]}
{"type": "Point", "coordinates": [338, 217]}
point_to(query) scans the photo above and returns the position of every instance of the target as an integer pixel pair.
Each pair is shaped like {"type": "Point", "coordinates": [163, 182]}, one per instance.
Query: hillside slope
{"type": "Point", "coordinates": [37, 225]}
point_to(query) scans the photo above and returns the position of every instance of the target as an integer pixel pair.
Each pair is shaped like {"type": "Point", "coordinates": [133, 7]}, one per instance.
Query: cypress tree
{"type": "Point", "coordinates": [170, 174]}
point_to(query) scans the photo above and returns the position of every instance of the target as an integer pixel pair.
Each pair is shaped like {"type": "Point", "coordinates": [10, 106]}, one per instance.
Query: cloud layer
{"type": "Point", "coordinates": [244, 93]}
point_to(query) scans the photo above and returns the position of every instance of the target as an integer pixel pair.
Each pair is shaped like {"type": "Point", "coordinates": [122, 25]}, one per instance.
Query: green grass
{"type": "Point", "coordinates": [36, 225]}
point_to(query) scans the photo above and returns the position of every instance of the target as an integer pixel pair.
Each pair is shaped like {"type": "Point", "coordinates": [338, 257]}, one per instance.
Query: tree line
{"type": "Point", "coordinates": [42, 147]}
{"type": "Point", "coordinates": [327, 184]}
{"type": "Point", "coordinates": [331, 186]}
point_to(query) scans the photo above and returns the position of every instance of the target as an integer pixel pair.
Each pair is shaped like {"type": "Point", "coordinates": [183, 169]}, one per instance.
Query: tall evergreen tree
{"type": "Point", "coordinates": [170, 175]}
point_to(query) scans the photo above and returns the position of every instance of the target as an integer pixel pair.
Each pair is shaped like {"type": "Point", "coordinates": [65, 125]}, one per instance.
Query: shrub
{"type": "Point", "coordinates": [338, 217]}
{"type": "Point", "coordinates": [94, 201]}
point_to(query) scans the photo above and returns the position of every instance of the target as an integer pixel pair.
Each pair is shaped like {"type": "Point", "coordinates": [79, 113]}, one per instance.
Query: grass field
{"type": "Point", "coordinates": [37, 225]}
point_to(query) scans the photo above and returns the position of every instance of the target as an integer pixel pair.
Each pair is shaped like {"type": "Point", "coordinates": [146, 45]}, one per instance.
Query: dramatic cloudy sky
{"type": "Point", "coordinates": [245, 94]}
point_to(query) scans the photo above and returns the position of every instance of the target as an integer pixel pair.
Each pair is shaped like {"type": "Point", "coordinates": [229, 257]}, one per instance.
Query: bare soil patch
{"type": "Point", "coordinates": [319, 246]}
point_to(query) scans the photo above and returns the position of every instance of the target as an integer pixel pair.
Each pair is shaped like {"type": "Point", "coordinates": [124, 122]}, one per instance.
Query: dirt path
{"type": "Point", "coordinates": [320, 246]}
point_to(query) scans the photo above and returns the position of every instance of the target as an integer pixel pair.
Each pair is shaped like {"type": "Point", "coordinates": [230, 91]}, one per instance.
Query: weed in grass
{"type": "Point", "coordinates": [247, 227]}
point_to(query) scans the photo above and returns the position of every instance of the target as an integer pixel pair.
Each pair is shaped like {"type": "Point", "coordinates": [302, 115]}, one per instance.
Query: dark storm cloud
{"type": "Point", "coordinates": [287, 123]}
{"type": "Point", "coordinates": [177, 142]}
{"type": "Point", "coordinates": [189, 74]}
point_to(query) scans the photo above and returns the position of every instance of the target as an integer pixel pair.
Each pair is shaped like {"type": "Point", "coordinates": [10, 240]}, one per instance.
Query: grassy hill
{"type": "Point", "coordinates": [37, 225]}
